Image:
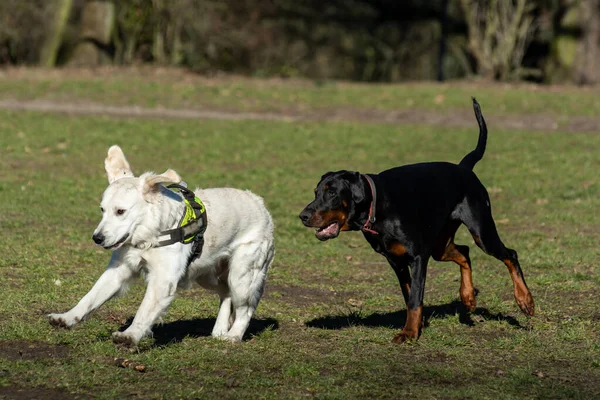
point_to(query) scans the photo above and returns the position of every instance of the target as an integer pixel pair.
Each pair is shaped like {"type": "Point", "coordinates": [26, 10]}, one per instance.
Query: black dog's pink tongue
{"type": "Point", "coordinates": [329, 230]}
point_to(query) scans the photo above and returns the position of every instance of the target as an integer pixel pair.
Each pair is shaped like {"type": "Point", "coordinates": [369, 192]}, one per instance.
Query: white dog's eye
{"type": "Point", "coordinates": [120, 211]}
{"type": "Point", "coordinates": [102, 210]}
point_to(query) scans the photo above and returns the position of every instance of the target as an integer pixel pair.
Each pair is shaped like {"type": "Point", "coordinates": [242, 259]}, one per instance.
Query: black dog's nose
{"type": "Point", "coordinates": [305, 216]}
{"type": "Point", "coordinates": [98, 238]}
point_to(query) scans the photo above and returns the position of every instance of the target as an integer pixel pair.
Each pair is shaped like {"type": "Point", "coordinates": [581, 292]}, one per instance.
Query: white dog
{"type": "Point", "coordinates": [136, 212]}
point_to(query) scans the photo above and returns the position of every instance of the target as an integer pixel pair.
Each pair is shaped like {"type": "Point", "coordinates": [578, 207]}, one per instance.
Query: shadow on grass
{"type": "Point", "coordinates": [176, 331]}
{"type": "Point", "coordinates": [397, 319]}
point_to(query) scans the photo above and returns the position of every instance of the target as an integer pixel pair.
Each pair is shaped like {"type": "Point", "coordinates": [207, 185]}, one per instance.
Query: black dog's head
{"type": "Point", "coordinates": [334, 206]}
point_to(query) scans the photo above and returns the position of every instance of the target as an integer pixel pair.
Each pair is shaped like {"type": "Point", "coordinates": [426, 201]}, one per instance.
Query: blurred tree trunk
{"type": "Point", "coordinates": [176, 45]}
{"type": "Point", "coordinates": [587, 67]}
{"type": "Point", "coordinates": [443, 45]}
{"type": "Point", "coordinates": [129, 53]}
{"type": "Point", "coordinates": [51, 45]}
{"type": "Point", "coordinates": [132, 17]}
{"type": "Point", "coordinates": [97, 24]}
{"type": "Point", "coordinates": [158, 44]}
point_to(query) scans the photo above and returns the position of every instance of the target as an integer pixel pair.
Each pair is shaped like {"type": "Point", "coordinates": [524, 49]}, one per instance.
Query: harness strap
{"type": "Point", "coordinates": [191, 226]}
{"type": "Point", "coordinates": [368, 226]}
{"type": "Point", "coordinates": [181, 234]}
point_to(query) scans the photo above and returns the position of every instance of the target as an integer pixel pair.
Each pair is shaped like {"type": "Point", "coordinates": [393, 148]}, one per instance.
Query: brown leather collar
{"type": "Point", "coordinates": [368, 226]}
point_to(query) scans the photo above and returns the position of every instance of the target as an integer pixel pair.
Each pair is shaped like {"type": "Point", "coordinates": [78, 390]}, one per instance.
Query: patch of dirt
{"type": "Point", "coordinates": [485, 334]}
{"type": "Point", "coordinates": [438, 358]}
{"type": "Point", "coordinates": [12, 277]}
{"type": "Point", "coordinates": [18, 350]}
{"type": "Point", "coordinates": [530, 122]}
{"type": "Point", "coordinates": [34, 393]}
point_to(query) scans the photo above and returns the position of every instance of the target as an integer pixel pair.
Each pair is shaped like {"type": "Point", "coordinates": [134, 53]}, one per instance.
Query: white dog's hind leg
{"type": "Point", "coordinates": [247, 278]}
{"type": "Point", "coordinates": [114, 280]}
{"type": "Point", "coordinates": [222, 323]}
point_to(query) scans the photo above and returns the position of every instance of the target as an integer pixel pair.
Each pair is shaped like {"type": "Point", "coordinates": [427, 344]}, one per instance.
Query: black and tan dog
{"type": "Point", "coordinates": [411, 213]}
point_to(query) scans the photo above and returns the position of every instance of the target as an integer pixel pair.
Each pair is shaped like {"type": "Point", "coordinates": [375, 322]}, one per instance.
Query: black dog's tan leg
{"type": "Point", "coordinates": [414, 305]}
{"type": "Point", "coordinates": [413, 326]}
{"type": "Point", "coordinates": [460, 255]}
{"type": "Point", "coordinates": [523, 296]}
{"type": "Point", "coordinates": [446, 250]}
{"type": "Point", "coordinates": [486, 237]}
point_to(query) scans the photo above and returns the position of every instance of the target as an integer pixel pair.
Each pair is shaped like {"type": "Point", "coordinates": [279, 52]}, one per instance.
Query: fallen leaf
{"type": "Point", "coordinates": [355, 303]}
{"type": "Point", "coordinates": [125, 363]}
{"type": "Point", "coordinates": [140, 368]}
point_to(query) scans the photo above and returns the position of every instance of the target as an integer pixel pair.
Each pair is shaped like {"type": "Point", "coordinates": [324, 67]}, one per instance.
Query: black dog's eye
{"type": "Point", "coordinates": [120, 211]}
{"type": "Point", "coordinates": [330, 193]}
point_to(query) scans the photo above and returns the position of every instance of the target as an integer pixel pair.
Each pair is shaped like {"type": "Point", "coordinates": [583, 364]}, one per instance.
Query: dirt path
{"type": "Point", "coordinates": [544, 123]}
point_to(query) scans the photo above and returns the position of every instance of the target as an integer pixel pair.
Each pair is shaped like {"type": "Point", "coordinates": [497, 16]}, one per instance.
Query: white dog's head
{"type": "Point", "coordinates": [127, 202]}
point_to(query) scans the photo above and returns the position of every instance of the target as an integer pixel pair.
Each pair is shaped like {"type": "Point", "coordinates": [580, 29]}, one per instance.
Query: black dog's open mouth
{"type": "Point", "coordinates": [118, 244]}
{"type": "Point", "coordinates": [328, 232]}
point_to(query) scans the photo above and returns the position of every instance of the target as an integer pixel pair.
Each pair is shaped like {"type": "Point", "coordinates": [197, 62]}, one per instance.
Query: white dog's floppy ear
{"type": "Point", "coordinates": [116, 165]}
{"type": "Point", "coordinates": [151, 183]}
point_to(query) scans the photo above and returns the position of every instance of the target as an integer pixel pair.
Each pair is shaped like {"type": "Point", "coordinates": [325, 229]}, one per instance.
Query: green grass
{"type": "Point", "coordinates": [545, 194]}
{"type": "Point", "coordinates": [176, 89]}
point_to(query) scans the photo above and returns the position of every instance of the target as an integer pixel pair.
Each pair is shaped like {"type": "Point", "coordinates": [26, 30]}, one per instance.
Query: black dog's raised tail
{"type": "Point", "coordinates": [473, 157]}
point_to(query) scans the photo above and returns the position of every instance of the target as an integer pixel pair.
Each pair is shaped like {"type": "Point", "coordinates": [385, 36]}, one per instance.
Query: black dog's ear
{"type": "Point", "coordinates": [357, 188]}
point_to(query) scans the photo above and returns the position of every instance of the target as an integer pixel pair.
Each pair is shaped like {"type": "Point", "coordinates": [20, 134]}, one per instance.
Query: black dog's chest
{"type": "Point", "coordinates": [388, 245]}
{"type": "Point", "coordinates": [375, 243]}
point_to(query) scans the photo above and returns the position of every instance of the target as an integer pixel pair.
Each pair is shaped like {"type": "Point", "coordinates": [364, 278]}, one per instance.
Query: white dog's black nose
{"type": "Point", "coordinates": [98, 238]}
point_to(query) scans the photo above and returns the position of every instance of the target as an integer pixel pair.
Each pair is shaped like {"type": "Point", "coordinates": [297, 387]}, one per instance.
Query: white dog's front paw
{"type": "Point", "coordinates": [219, 333]}
{"type": "Point", "coordinates": [61, 321]}
{"type": "Point", "coordinates": [124, 339]}
{"type": "Point", "coordinates": [229, 338]}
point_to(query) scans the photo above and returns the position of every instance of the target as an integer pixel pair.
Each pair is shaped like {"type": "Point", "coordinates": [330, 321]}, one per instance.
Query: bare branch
{"type": "Point", "coordinates": [499, 33]}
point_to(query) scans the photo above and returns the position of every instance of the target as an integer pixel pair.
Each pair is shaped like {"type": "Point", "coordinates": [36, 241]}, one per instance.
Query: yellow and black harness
{"type": "Point", "coordinates": [191, 227]}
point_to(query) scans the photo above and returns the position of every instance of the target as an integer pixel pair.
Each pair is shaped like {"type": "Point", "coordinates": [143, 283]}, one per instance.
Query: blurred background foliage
{"type": "Point", "coordinates": [365, 40]}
